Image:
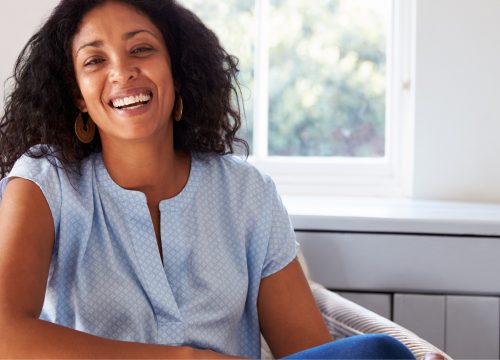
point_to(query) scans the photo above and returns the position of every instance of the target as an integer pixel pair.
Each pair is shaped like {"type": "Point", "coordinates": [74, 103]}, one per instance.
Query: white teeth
{"type": "Point", "coordinates": [131, 100]}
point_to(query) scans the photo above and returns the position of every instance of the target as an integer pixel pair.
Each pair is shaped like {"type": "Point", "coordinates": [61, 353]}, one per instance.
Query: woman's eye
{"type": "Point", "coordinates": [141, 49]}
{"type": "Point", "coordinates": [93, 61]}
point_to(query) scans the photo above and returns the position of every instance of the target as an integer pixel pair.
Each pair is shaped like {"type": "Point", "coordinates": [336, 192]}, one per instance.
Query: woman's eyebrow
{"type": "Point", "coordinates": [126, 36]}
{"type": "Point", "coordinates": [96, 43]}
{"type": "Point", "coordinates": [131, 34]}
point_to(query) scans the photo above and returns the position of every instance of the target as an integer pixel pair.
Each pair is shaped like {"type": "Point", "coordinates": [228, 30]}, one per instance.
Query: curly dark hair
{"type": "Point", "coordinates": [41, 108]}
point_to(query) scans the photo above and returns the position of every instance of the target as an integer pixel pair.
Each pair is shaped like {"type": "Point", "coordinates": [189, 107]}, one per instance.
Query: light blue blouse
{"type": "Point", "coordinates": [221, 235]}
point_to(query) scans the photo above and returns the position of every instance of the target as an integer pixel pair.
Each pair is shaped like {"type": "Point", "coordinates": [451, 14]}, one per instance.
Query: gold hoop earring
{"type": "Point", "coordinates": [84, 130]}
{"type": "Point", "coordinates": [179, 108]}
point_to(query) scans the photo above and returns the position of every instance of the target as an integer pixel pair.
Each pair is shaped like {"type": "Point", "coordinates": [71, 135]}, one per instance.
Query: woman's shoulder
{"type": "Point", "coordinates": [43, 165]}
{"type": "Point", "coordinates": [233, 169]}
{"type": "Point", "coordinates": [237, 183]}
{"type": "Point", "coordinates": [37, 162]}
{"type": "Point", "coordinates": [40, 166]}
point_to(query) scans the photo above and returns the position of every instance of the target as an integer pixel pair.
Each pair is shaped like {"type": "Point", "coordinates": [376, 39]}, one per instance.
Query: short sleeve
{"type": "Point", "coordinates": [282, 247]}
{"type": "Point", "coordinates": [45, 175]}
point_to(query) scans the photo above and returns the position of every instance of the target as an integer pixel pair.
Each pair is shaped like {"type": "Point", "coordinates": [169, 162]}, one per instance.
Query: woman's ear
{"type": "Point", "coordinates": [78, 100]}
{"type": "Point", "coordinates": [177, 86]}
{"type": "Point", "coordinates": [80, 104]}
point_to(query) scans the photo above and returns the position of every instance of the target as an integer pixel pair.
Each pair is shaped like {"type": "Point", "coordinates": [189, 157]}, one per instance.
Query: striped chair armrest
{"type": "Point", "coordinates": [345, 318]}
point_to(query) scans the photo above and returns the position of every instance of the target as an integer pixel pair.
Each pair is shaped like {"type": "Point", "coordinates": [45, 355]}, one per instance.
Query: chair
{"type": "Point", "coordinates": [345, 318]}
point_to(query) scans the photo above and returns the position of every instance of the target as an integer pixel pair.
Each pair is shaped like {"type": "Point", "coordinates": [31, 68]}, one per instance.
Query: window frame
{"type": "Point", "coordinates": [388, 176]}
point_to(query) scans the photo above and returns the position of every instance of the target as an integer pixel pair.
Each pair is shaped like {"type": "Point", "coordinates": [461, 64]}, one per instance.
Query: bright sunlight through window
{"type": "Point", "coordinates": [316, 81]}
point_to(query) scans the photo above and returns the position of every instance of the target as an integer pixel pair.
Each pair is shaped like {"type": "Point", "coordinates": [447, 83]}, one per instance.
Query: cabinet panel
{"type": "Point", "coordinates": [472, 327]}
{"type": "Point", "coordinates": [403, 263]}
{"type": "Point", "coordinates": [378, 303]}
{"type": "Point", "coordinates": [422, 314]}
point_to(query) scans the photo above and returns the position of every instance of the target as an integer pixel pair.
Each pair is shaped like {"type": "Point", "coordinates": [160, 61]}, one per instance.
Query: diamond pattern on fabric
{"type": "Point", "coordinates": [221, 235]}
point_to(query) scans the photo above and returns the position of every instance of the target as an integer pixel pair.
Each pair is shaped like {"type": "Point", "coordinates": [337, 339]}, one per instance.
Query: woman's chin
{"type": "Point", "coordinates": [130, 135]}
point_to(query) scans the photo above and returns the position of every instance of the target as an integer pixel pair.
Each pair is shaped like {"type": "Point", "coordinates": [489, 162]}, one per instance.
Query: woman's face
{"type": "Point", "coordinates": [122, 67]}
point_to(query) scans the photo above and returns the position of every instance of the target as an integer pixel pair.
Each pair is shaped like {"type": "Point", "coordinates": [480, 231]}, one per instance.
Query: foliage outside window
{"type": "Point", "coordinates": [326, 72]}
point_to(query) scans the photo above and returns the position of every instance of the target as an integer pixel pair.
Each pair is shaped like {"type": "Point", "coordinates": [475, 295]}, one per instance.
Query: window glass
{"type": "Point", "coordinates": [327, 71]}
{"type": "Point", "coordinates": [234, 23]}
{"type": "Point", "coordinates": [327, 77]}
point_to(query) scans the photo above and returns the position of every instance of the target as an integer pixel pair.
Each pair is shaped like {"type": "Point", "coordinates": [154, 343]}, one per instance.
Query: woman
{"type": "Point", "coordinates": [127, 230]}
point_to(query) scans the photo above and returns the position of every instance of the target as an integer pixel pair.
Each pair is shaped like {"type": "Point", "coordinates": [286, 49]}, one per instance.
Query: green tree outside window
{"type": "Point", "coordinates": [327, 71]}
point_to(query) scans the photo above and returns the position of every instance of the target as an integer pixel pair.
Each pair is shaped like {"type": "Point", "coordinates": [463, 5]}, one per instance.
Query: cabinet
{"type": "Point", "coordinates": [432, 267]}
{"type": "Point", "coordinates": [472, 327]}
{"type": "Point", "coordinates": [403, 262]}
{"type": "Point", "coordinates": [423, 314]}
{"type": "Point", "coordinates": [445, 288]}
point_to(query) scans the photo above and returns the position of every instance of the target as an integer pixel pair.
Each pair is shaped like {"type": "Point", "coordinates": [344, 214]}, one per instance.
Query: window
{"type": "Point", "coordinates": [325, 88]}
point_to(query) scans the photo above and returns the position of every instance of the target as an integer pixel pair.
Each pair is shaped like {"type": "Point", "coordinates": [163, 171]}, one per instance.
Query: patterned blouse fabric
{"type": "Point", "coordinates": [221, 235]}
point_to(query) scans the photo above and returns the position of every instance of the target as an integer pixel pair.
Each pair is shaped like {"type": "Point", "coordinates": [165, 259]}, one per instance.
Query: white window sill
{"type": "Point", "coordinates": [393, 215]}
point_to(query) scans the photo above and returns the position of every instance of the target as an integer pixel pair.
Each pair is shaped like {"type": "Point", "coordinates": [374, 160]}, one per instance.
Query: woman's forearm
{"type": "Point", "coordinates": [33, 338]}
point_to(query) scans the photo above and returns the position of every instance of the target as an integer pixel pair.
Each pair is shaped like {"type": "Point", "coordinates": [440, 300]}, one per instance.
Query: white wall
{"type": "Point", "coordinates": [19, 19]}
{"type": "Point", "coordinates": [457, 101]}
{"type": "Point", "coordinates": [457, 92]}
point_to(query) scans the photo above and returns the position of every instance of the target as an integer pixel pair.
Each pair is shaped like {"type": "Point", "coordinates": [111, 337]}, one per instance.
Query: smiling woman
{"type": "Point", "coordinates": [124, 76]}
{"type": "Point", "coordinates": [145, 238]}
{"type": "Point", "coordinates": [210, 119]}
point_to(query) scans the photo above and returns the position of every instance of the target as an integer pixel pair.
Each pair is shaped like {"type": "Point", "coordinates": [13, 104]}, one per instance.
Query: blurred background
{"type": "Point", "coordinates": [379, 98]}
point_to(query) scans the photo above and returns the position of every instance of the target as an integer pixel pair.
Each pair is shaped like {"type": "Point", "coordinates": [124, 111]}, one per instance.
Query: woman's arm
{"type": "Point", "coordinates": [289, 318]}
{"type": "Point", "coordinates": [26, 242]}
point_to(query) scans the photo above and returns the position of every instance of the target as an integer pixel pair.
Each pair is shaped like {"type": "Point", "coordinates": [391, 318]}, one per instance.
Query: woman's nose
{"type": "Point", "coordinates": [123, 71]}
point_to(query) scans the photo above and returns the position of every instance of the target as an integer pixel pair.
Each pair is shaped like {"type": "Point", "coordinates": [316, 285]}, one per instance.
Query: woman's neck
{"type": "Point", "coordinates": [157, 170]}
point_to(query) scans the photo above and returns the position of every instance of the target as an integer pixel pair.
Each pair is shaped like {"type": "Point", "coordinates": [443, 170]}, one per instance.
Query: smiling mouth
{"type": "Point", "coordinates": [131, 102]}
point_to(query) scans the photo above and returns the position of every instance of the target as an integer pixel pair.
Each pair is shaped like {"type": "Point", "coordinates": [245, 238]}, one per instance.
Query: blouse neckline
{"type": "Point", "coordinates": [172, 204]}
